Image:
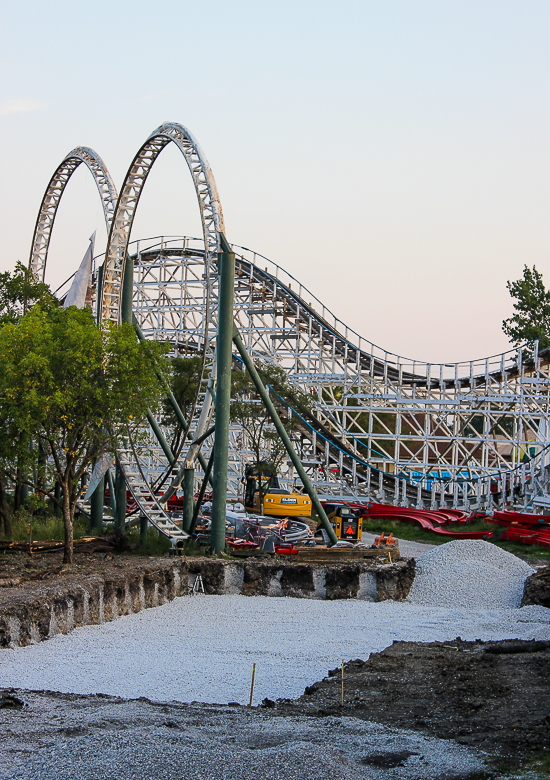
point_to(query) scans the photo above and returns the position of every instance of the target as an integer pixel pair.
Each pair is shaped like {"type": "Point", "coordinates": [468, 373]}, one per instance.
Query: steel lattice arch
{"type": "Point", "coordinates": [384, 427]}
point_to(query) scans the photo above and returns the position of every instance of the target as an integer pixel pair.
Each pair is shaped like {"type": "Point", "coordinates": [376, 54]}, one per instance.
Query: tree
{"type": "Point", "coordinates": [19, 291]}
{"type": "Point", "coordinates": [74, 389]}
{"type": "Point", "coordinates": [12, 452]}
{"type": "Point", "coordinates": [531, 320]}
{"type": "Point", "coordinates": [184, 379]}
{"type": "Point", "coordinates": [249, 412]}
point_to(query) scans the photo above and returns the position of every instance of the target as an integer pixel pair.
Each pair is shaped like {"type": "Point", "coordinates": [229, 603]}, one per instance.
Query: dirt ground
{"type": "Point", "coordinates": [18, 569]}
{"type": "Point", "coordinates": [489, 695]}
{"type": "Point", "coordinates": [41, 565]}
{"type": "Point", "coordinates": [22, 577]}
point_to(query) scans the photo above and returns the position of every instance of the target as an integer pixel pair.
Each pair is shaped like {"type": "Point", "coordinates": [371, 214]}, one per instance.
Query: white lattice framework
{"type": "Point", "coordinates": [432, 433]}
{"type": "Point", "coordinates": [208, 200]}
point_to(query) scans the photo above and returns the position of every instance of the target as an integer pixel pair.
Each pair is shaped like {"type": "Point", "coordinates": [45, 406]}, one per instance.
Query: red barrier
{"type": "Point", "coordinates": [427, 519]}
{"type": "Point", "coordinates": [427, 524]}
{"type": "Point", "coordinates": [507, 517]}
{"type": "Point", "coordinates": [520, 527]}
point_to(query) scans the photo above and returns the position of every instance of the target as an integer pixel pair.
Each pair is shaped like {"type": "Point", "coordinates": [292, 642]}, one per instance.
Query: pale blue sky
{"type": "Point", "coordinates": [393, 156]}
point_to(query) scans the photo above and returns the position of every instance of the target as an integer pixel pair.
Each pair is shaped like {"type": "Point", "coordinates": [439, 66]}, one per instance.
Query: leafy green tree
{"type": "Point", "coordinates": [12, 453]}
{"type": "Point", "coordinates": [531, 319]}
{"type": "Point", "coordinates": [184, 379]}
{"type": "Point", "coordinates": [19, 291]}
{"type": "Point", "coordinates": [74, 389]}
{"type": "Point", "coordinates": [248, 411]}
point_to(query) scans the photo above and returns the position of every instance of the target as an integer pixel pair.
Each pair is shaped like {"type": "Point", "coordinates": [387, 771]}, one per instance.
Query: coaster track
{"type": "Point", "coordinates": [384, 426]}
{"type": "Point", "coordinates": [52, 198]}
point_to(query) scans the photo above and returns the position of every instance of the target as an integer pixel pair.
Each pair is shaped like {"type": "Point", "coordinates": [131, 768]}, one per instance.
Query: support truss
{"type": "Point", "coordinates": [384, 426]}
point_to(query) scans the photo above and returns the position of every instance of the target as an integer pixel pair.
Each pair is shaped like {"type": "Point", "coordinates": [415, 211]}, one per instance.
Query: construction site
{"type": "Point", "coordinates": [289, 627]}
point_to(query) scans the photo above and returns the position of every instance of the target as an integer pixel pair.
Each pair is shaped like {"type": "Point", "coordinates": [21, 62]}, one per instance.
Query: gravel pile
{"type": "Point", "coordinates": [469, 574]}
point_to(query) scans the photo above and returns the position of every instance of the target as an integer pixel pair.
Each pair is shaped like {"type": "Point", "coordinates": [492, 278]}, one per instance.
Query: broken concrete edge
{"type": "Point", "coordinates": [50, 610]}
{"type": "Point", "coordinates": [537, 588]}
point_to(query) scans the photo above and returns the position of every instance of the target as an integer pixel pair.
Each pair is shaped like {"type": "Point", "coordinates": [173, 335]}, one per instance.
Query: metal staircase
{"type": "Point", "coordinates": [144, 496]}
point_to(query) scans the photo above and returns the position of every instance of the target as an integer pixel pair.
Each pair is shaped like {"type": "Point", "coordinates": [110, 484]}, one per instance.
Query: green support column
{"type": "Point", "coordinates": [25, 492]}
{"type": "Point", "coordinates": [27, 474]}
{"type": "Point", "coordinates": [120, 493]}
{"type": "Point", "coordinates": [126, 313]}
{"type": "Point", "coordinates": [202, 491]}
{"type": "Point", "coordinates": [226, 266]}
{"type": "Point", "coordinates": [251, 368]}
{"type": "Point", "coordinates": [188, 499]}
{"type": "Point", "coordinates": [96, 506]}
{"type": "Point", "coordinates": [42, 460]}
{"type": "Point", "coordinates": [160, 438]}
{"type": "Point", "coordinates": [174, 404]}
{"type": "Point", "coordinates": [112, 494]}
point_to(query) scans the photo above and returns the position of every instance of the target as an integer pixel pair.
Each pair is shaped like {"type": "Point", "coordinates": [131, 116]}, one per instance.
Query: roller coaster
{"type": "Point", "coordinates": [470, 435]}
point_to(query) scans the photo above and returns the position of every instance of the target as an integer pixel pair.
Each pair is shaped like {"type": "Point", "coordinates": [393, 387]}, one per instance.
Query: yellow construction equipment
{"type": "Point", "coordinates": [281, 503]}
{"type": "Point", "coordinates": [347, 522]}
{"type": "Point", "coordinates": [276, 501]}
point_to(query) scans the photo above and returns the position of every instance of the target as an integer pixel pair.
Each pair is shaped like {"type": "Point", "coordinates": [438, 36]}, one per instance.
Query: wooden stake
{"type": "Point", "coordinates": [252, 684]}
{"type": "Point", "coordinates": [342, 683]}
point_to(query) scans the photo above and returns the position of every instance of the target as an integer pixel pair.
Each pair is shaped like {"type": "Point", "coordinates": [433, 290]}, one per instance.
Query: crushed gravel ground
{"type": "Point", "coordinates": [201, 648]}
{"type": "Point", "coordinates": [92, 738]}
{"type": "Point", "coordinates": [469, 573]}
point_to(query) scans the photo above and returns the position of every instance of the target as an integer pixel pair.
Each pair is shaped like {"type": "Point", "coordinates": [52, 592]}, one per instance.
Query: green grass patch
{"type": "Point", "coordinates": [540, 764]}
{"type": "Point", "coordinates": [157, 544]}
{"type": "Point", "coordinates": [535, 766]}
{"type": "Point", "coordinates": [44, 526]}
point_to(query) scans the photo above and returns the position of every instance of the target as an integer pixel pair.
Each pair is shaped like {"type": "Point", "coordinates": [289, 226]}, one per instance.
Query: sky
{"type": "Point", "coordinates": [392, 155]}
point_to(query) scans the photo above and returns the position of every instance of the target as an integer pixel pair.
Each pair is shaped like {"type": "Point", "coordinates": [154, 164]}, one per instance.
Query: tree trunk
{"type": "Point", "coordinates": [67, 523]}
{"type": "Point", "coordinates": [20, 491]}
{"type": "Point", "coordinates": [260, 495]}
{"type": "Point", "coordinates": [261, 491]}
{"type": "Point", "coordinates": [4, 509]}
{"type": "Point", "coordinates": [17, 490]}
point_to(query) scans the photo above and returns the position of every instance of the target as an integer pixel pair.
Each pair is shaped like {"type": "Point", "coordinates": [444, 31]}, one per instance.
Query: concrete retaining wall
{"type": "Point", "coordinates": [39, 613]}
